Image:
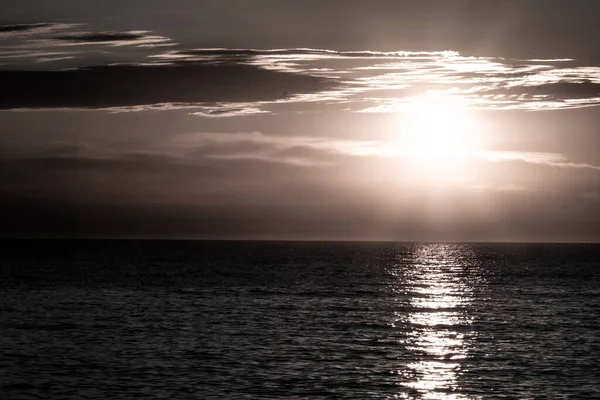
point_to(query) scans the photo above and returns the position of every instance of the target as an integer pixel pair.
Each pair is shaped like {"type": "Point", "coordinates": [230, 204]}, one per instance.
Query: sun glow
{"type": "Point", "coordinates": [439, 139]}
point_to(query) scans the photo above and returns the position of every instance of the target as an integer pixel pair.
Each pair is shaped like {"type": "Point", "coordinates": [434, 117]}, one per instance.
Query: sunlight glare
{"type": "Point", "coordinates": [441, 326]}
{"type": "Point", "coordinates": [439, 138]}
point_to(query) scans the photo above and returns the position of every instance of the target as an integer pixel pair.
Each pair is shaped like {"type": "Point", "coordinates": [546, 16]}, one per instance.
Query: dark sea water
{"type": "Point", "coordinates": [240, 320]}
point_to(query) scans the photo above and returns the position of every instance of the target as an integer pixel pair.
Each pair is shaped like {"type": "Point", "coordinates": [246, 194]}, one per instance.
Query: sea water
{"type": "Point", "coordinates": [241, 320]}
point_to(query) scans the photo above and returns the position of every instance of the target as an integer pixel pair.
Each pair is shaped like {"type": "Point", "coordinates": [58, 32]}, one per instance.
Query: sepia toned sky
{"type": "Point", "coordinates": [311, 120]}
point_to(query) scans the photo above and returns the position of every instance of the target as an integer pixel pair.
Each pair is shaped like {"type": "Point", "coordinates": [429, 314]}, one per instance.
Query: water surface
{"type": "Point", "coordinates": [161, 319]}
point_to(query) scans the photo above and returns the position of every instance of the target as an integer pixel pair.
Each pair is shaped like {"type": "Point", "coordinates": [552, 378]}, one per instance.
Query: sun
{"type": "Point", "coordinates": [439, 139]}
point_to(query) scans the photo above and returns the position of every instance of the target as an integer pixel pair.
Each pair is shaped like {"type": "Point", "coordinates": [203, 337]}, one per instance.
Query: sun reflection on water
{"type": "Point", "coordinates": [438, 320]}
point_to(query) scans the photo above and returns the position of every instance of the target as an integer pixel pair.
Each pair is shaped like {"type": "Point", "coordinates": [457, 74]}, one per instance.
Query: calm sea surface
{"type": "Point", "coordinates": [236, 320]}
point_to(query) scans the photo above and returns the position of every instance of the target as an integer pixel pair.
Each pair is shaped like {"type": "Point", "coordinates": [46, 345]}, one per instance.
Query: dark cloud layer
{"type": "Point", "coordinates": [22, 27]}
{"type": "Point", "coordinates": [299, 52]}
{"type": "Point", "coordinates": [120, 85]}
{"type": "Point", "coordinates": [101, 37]}
{"type": "Point", "coordinates": [556, 90]}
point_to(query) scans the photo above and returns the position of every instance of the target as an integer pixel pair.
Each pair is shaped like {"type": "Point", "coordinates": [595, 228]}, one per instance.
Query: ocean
{"type": "Point", "coordinates": [321, 320]}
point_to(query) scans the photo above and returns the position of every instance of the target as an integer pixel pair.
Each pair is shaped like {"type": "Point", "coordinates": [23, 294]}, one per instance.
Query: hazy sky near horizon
{"type": "Point", "coordinates": [351, 120]}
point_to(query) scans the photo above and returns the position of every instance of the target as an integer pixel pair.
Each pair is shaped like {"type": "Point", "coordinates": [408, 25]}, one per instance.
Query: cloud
{"type": "Point", "coordinates": [27, 31]}
{"type": "Point", "coordinates": [220, 110]}
{"type": "Point", "coordinates": [85, 190]}
{"type": "Point", "coordinates": [299, 54]}
{"type": "Point", "coordinates": [126, 86]}
{"type": "Point", "coordinates": [127, 38]}
{"type": "Point", "coordinates": [20, 45]}
{"type": "Point", "coordinates": [561, 90]}
{"type": "Point", "coordinates": [346, 81]}
{"type": "Point", "coordinates": [389, 82]}
{"type": "Point", "coordinates": [22, 27]}
{"type": "Point", "coordinates": [317, 150]}
{"type": "Point", "coordinates": [548, 159]}
{"type": "Point", "coordinates": [213, 182]}
{"type": "Point", "coordinates": [530, 157]}
{"type": "Point", "coordinates": [101, 37]}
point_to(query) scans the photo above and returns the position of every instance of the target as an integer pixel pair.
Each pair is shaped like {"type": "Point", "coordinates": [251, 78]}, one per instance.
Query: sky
{"type": "Point", "coordinates": [436, 120]}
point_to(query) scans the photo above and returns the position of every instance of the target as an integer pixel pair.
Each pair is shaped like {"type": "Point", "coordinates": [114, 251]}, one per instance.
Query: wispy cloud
{"type": "Point", "coordinates": [360, 81]}
{"type": "Point", "coordinates": [325, 151]}
{"type": "Point", "coordinates": [549, 159]}
{"type": "Point", "coordinates": [21, 45]}
{"type": "Point", "coordinates": [484, 82]}
{"type": "Point", "coordinates": [221, 110]}
{"type": "Point", "coordinates": [297, 150]}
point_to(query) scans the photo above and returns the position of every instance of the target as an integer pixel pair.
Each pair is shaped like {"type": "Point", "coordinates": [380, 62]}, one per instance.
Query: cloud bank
{"type": "Point", "coordinates": [237, 82]}
{"type": "Point", "coordinates": [254, 185]}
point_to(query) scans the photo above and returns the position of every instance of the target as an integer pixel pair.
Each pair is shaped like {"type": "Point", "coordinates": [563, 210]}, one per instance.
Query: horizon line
{"type": "Point", "coordinates": [291, 240]}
